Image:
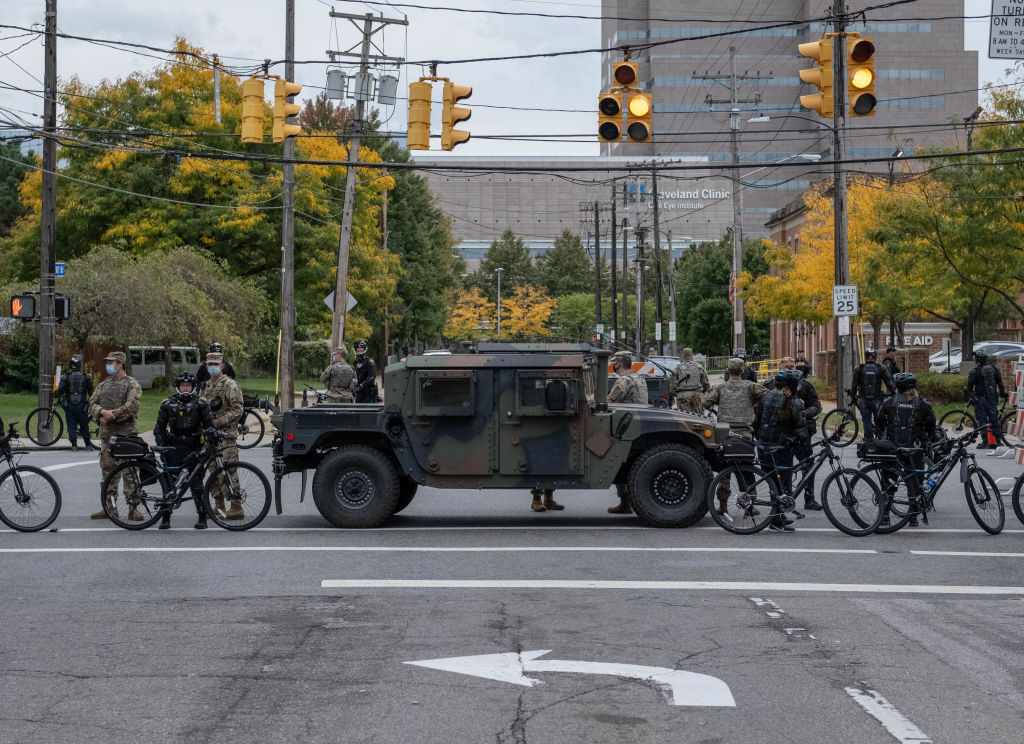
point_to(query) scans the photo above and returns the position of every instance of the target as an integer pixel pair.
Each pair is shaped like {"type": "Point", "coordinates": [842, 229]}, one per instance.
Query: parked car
{"type": "Point", "coordinates": [147, 362]}
{"type": "Point", "coordinates": [992, 348]}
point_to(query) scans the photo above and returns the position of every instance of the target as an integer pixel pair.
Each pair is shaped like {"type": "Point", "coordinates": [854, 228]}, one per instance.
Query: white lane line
{"type": "Point", "coordinates": [746, 586]}
{"type": "Point", "coordinates": [964, 554]}
{"type": "Point", "coordinates": [542, 528]}
{"type": "Point", "coordinates": [51, 468]}
{"type": "Point", "coordinates": [901, 727]}
{"type": "Point", "coordinates": [419, 549]}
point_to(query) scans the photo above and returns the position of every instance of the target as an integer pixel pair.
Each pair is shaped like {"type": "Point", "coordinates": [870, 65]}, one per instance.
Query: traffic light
{"type": "Point", "coordinates": [283, 109]}
{"type": "Point", "coordinates": [821, 76]}
{"type": "Point", "coordinates": [452, 115]}
{"type": "Point", "coordinates": [61, 308]}
{"type": "Point", "coordinates": [638, 117]}
{"type": "Point", "coordinates": [252, 111]}
{"type": "Point", "coordinates": [860, 65]}
{"type": "Point", "coordinates": [625, 73]}
{"type": "Point", "coordinates": [418, 136]}
{"type": "Point", "coordinates": [609, 121]}
{"type": "Point", "coordinates": [23, 307]}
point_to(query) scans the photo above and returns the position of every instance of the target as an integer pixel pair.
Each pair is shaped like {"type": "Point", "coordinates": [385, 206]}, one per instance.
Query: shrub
{"type": "Point", "coordinates": [940, 389]}
{"type": "Point", "coordinates": [311, 357]}
{"type": "Point", "coordinates": [19, 363]}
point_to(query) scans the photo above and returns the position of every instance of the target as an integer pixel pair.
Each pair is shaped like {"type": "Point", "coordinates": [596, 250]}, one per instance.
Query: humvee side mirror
{"type": "Point", "coordinates": [555, 395]}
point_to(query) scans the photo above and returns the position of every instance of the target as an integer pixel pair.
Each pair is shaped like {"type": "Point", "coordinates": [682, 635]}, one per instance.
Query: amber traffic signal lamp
{"type": "Point", "coordinates": [452, 115]}
{"type": "Point", "coordinates": [638, 117]}
{"type": "Point", "coordinates": [282, 110]}
{"type": "Point", "coordinates": [860, 66]}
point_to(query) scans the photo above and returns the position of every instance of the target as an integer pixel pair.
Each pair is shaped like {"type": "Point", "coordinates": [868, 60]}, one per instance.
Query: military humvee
{"type": "Point", "coordinates": [509, 416]}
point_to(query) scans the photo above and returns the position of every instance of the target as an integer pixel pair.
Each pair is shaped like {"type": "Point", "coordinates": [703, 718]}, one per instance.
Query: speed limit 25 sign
{"type": "Point", "coordinates": [845, 300]}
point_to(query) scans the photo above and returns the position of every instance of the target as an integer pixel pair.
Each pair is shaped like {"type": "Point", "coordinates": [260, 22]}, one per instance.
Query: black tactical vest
{"type": "Point", "coordinates": [905, 427]}
{"type": "Point", "coordinates": [870, 380]}
{"type": "Point", "coordinates": [988, 379]}
{"type": "Point", "coordinates": [76, 386]}
{"type": "Point", "coordinates": [183, 418]}
{"type": "Point", "coordinates": [771, 430]}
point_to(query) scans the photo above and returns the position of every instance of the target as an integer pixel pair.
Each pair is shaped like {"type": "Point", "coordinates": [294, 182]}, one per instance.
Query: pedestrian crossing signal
{"type": "Point", "coordinates": [23, 307]}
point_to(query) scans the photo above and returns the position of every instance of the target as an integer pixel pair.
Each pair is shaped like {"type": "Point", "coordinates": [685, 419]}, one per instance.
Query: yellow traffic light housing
{"type": "Point", "coordinates": [860, 65]}
{"type": "Point", "coordinates": [282, 110]}
{"type": "Point", "coordinates": [252, 111]}
{"type": "Point", "coordinates": [418, 136]}
{"type": "Point", "coordinates": [820, 76]}
{"type": "Point", "coordinates": [452, 115]}
{"type": "Point", "coordinates": [609, 120]}
{"type": "Point", "coordinates": [625, 74]}
{"type": "Point", "coordinates": [639, 109]}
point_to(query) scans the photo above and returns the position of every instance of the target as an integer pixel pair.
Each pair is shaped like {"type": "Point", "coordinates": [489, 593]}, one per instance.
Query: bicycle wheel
{"type": "Point", "coordinates": [250, 429]}
{"type": "Point", "coordinates": [29, 499]}
{"type": "Point", "coordinates": [1018, 508]}
{"type": "Point", "coordinates": [750, 499]}
{"type": "Point", "coordinates": [985, 501]}
{"type": "Point", "coordinates": [136, 495]}
{"type": "Point", "coordinates": [852, 502]}
{"type": "Point", "coordinates": [1010, 419]}
{"type": "Point", "coordinates": [840, 427]}
{"type": "Point", "coordinates": [237, 496]}
{"type": "Point", "coordinates": [44, 415]}
{"type": "Point", "coordinates": [961, 421]}
{"type": "Point", "coordinates": [897, 495]}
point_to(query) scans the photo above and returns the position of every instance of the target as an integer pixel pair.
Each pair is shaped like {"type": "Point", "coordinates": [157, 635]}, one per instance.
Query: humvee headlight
{"type": "Point", "coordinates": [708, 433]}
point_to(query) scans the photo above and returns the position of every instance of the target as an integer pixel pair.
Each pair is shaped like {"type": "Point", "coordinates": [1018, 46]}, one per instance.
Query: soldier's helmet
{"type": "Point", "coordinates": [623, 357]}
{"type": "Point", "coordinates": [182, 378]}
{"type": "Point", "coordinates": [904, 381]}
{"type": "Point", "coordinates": [735, 364]}
{"type": "Point", "coordinates": [76, 362]}
{"type": "Point", "coordinates": [216, 348]}
{"type": "Point", "coordinates": [788, 378]}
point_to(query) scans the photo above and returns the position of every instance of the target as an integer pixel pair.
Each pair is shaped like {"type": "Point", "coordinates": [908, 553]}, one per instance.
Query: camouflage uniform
{"type": "Point", "coordinates": [340, 380]}
{"type": "Point", "coordinates": [630, 388]}
{"type": "Point", "coordinates": [690, 383]}
{"type": "Point", "coordinates": [737, 400]}
{"type": "Point", "coordinates": [225, 418]}
{"type": "Point", "coordinates": [123, 397]}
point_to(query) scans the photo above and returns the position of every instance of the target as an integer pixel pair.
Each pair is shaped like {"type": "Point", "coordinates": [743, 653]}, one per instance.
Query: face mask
{"type": "Point", "coordinates": [214, 370]}
{"type": "Point", "coordinates": [111, 369]}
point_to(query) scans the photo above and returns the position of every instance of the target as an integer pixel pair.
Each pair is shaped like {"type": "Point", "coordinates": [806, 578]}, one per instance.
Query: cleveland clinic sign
{"type": "Point", "coordinates": [678, 199]}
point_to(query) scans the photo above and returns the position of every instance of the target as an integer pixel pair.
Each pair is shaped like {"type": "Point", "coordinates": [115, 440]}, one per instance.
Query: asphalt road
{"type": "Point", "coordinates": [299, 632]}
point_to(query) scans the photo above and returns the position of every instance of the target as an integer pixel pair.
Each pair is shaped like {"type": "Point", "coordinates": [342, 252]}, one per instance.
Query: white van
{"type": "Point", "coordinates": [147, 362]}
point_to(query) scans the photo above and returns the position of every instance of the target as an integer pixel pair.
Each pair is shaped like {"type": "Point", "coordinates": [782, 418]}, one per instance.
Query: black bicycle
{"type": "Point", "coordinates": [840, 425]}
{"type": "Point", "coordinates": [961, 420]}
{"type": "Point", "coordinates": [141, 488]}
{"type": "Point", "coordinates": [251, 427]}
{"type": "Point", "coordinates": [1018, 508]}
{"type": "Point", "coordinates": [756, 497]}
{"type": "Point", "coordinates": [50, 420]}
{"type": "Point", "coordinates": [318, 396]}
{"type": "Point", "coordinates": [29, 497]}
{"type": "Point", "coordinates": [910, 491]}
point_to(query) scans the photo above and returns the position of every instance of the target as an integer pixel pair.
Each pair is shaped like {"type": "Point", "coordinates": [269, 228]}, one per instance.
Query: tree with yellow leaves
{"type": "Point", "coordinates": [527, 312]}
{"type": "Point", "coordinates": [472, 317]}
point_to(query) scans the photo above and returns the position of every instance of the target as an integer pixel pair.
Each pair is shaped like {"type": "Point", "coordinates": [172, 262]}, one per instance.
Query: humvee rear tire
{"type": "Point", "coordinates": [406, 491]}
{"type": "Point", "coordinates": [666, 486]}
{"type": "Point", "coordinates": [356, 486]}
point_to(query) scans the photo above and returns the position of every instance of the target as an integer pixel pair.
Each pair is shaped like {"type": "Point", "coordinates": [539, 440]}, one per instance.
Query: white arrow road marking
{"type": "Point", "coordinates": [51, 468]}
{"type": "Point", "coordinates": [687, 688]}
{"type": "Point", "coordinates": [895, 722]}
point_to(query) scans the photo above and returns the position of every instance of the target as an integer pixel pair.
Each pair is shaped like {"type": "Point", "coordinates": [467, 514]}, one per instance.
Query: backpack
{"type": "Point", "coordinates": [870, 386]}
{"type": "Point", "coordinates": [75, 389]}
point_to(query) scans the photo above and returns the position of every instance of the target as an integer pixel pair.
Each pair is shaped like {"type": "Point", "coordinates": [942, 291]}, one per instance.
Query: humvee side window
{"type": "Point", "coordinates": [539, 394]}
{"type": "Point", "coordinates": [445, 393]}
{"type": "Point", "coordinates": [555, 395]}
{"type": "Point", "coordinates": [531, 392]}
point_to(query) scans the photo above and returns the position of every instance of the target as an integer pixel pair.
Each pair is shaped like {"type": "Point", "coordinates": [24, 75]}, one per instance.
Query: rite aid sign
{"type": "Point", "coordinates": [845, 300]}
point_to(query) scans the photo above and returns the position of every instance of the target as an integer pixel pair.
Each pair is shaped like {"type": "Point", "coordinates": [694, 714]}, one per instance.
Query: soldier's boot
{"type": "Point", "coordinates": [218, 505]}
{"type": "Point", "coordinates": [235, 512]}
{"type": "Point", "coordinates": [101, 514]}
{"type": "Point", "coordinates": [537, 505]}
{"type": "Point", "coordinates": [136, 516]}
{"type": "Point", "coordinates": [809, 503]}
{"type": "Point", "coordinates": [622, 507]}
{"type": "Point", "coordinates": [550, 503]}
{"type": "Point", "coordinates": [201, 521]}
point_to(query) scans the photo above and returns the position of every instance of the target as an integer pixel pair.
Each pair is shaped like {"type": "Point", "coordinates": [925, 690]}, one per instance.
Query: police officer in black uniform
{"type": "Point", "coordinates": [203, 376]}
{"type": "Point", "coordinates": [748, 369]}
{"type": "Point", "coordinates": [868, 382]}
{"type": "Point", "coordinates": [890, 363]}
{"type": "Point", "coordinates": [74, 392]}
{"type": "Point", "coordinates": [780, 429]}
{"type": "Point", "coordinates": [985, 383]}
{"type": "Point", "coordinates": [812, 407]}
{"type": "Point", "coordinates": [908, 420]}
{"type": "Point", "coordinates": [180, 422]}
{"type": "Point", "coordinates": [366, 375]}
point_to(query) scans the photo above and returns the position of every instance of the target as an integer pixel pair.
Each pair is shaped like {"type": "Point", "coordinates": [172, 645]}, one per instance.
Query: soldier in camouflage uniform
{"type": "Point", "coordinates": [115, 404]}
{"type": "Point", "coordinates": [690, 384]}
{"type": "Point", "coordinates": [339, 378]}
{"type": "Point", "coordinates": [629, 388]}
{"type": "Point", "coordinates": [225, 399]}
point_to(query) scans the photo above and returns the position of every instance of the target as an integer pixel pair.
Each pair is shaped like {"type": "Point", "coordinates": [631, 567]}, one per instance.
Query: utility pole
{"type": "Point", "coordinates": [345, 239]}
{"type": "Point", "coordinates": [598, 325]}
{"type": "Point", "coordinates": [48, 218]}
{"type": "Point", "coordinates": [625, 262]}
{"type": "Point", "coordinates": [842, 253]}
{"type": "Point", "coordinates": [287, 360]}
{"type": "Point", "coordinates": [672, 291]}
{"type": "Point", "coordinates": [657, 258]}
{"type": "Point", "coordinates": [385, 340]}
{"type": "Point", "coordinates": [739, 333]}
{"type": "Point", "coordinates": [615, 308]}
{"type": "Point", "coordinates": [641, 237]}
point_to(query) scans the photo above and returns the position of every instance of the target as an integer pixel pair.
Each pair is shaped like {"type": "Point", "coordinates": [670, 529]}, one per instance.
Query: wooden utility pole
{"type": "Point", "coordinates": [614, 308]}
{"type": "Point", "coordinates": [598, 325]}
{"type": "Point", "coordinates": [287, 352]}
{"type": "Point", "coordinates": [48, 219]}
{"type": "Point", "coordinates": [625, 263]}
{"type": "Point", "coordinates": [657, 260]}
{"type": "Point", "coordinates": [844, 366]}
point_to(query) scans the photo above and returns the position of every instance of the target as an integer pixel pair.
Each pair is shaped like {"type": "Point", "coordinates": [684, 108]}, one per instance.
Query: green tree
{"type": "Point", "coordinates": [566, 268]}
{"type": "Point", "coordinates": [13, 168]}
{"type": "Point", "coordinates": [510, 254]}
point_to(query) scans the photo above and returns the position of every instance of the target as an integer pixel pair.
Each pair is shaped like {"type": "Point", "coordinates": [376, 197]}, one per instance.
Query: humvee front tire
{"type": "Point", "coordinates": [406, 492]}
{"type": "Point", "coordinates": [356, 486]}
{"type": "Point", "coordinates": [666, 486]}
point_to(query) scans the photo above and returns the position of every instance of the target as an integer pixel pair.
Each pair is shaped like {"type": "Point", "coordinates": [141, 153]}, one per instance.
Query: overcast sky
{"type": "Point", "coordinates": [242, 31]}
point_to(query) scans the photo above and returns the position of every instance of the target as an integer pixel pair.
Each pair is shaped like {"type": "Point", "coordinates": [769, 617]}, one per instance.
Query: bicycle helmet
{"type": "Point", "coordinates": [191, 380]}
{"type": "Point", "coordinates": [788, 378]}
{"type": "Point", "coordinates": [76, 362]}
{"type": "Point", "coordinates": [904, 381]}
{"type": "Point", "coordinates": [870, 353]}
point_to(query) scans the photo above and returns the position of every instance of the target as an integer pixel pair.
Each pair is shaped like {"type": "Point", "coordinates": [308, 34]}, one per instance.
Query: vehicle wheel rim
{"type": "Point", "coordinates": [671, 487]}
{"type": "Point", "coordinates": [354, 489]}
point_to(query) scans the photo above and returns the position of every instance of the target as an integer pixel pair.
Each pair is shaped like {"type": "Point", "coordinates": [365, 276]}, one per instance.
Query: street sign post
{"type": "Point", "coordinates": [845, 300]}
